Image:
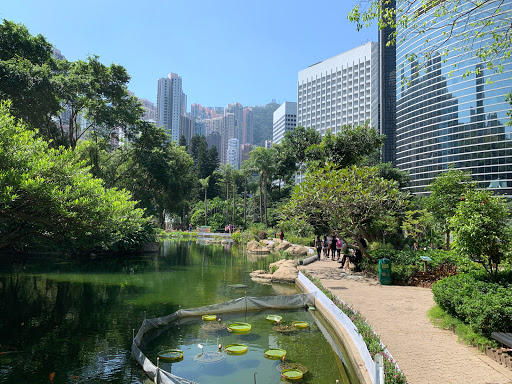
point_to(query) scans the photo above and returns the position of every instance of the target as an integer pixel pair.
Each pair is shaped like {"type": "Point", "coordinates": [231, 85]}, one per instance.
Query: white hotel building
{"type": "Point", "coordinates": [342, 90]}
{"type": "Point", "coordinates": [284, 120]}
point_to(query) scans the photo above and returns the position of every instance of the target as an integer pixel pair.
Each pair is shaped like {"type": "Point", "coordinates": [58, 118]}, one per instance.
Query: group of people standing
{"type": "Point", "coordinates": [332, 246]}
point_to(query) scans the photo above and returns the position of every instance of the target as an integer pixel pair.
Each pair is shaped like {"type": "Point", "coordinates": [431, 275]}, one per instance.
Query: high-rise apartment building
{"type": "Point", "coordinates": [214, 140]}
{"type": "Point", "coordinates": [170, 104]}
{"type": "Point", "coordinates": [150, 111]}
{"type": "Point", "coordinates": [248, 126]}
{"type": "Point", "coordinates": [198, 111]}
{"type": "Point", "coordinates": [342, 90]}
{"type": "Point", "coordinates": [187, 127]}
{"type": "Point", "coordinates": [245, 151]}
{"type": "Point", "coordinates": [227, 133]}
{"type": "Point", "coordinates": [285, 119]}
{"type": "Point", "coordinates": [233, 153]}
{"type": "Point", "coordinates": [446, 119]}
{"type": "Point", "coordinates": [238, 111]}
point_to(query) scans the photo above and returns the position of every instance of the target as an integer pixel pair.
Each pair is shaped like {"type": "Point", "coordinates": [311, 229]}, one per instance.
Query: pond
{"type": "Point", "coordinates": [68, 321]}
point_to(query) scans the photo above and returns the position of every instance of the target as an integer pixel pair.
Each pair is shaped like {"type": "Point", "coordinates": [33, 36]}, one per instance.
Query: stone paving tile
{"type": "Point", "coordinates": [426, 354]}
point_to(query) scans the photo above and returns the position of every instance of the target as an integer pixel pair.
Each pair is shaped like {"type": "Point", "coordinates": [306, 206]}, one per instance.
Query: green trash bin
{"type": "Point", "coordinates": [385, 272]}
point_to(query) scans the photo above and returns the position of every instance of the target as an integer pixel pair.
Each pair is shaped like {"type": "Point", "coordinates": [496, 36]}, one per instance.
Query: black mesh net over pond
{"type": "Point", "coordinates": [152, 328]}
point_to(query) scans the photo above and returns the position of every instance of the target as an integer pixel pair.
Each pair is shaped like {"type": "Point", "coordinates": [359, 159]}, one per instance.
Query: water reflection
{"type": "Point", "coordinates": [72, 321]}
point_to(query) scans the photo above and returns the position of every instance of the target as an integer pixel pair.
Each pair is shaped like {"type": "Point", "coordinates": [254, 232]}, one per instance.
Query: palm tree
{"type": "Point", "coordinates": [204, 184]}
{"type": "Point", "coordinates": [265, 161]}
{"type": "Point", "coordinates": [226, 173]}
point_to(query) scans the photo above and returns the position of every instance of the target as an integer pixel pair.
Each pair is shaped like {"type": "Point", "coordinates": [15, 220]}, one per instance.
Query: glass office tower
{"type": "Point", "coordinates": [444, 118]}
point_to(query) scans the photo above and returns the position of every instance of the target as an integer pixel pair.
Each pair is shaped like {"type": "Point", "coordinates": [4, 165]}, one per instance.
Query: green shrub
{"type": "Point", "coordinates": [485, 305]}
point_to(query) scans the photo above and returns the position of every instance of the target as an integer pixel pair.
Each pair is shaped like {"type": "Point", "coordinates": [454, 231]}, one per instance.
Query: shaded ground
{"type": "Point", "coordinates": [426, 354]}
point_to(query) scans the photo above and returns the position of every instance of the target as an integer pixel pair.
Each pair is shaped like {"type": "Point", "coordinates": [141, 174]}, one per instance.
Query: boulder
{"type": "Point", "coordinates": [286, 273]}
{"type": "Point", "coordinates": [297, 250]}
{"type": "Point", "coordinates": [261, 276]}
{"type": "Point", "coordinates": [255, 247]}
{"type": "Point", "coordinates": [284, 245]}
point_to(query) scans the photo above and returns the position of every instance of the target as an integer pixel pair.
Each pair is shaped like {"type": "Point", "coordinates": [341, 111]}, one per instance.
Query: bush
{"type": "Point", "coordinates": [485, 305]}
{"type": "Point", "coordinates": [262, 235]}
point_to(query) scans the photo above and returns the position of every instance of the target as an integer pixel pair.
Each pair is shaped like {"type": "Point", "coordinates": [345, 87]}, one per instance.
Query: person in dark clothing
{"type": "Point", "coordinates": [318, 245]}
{"type": "Point", "coordinates": [333, 247]}
{"type": "Point", "coordinates": [359, 254]}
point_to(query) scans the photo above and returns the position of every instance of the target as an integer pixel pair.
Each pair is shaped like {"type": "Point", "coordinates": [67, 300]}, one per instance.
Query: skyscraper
{"type": "Point", "coordinates": [238, 111]}
{"type": "Point", "coordinates": [446, 119]}
{"type": "Point", "coordinates": [387, 86]}
{"type": "Point", "coordinates": [170, 104]}
{"type": "Point", "coordinates": [285, 119]}
{"type": "Point", "coordinates": [248, 126]}
{"type": "Point", "coordinates": [233, 153]}
{"type": "Point", "coordinates": [227, 133]}
{"type": "Point", "coordinates": [342, 90]}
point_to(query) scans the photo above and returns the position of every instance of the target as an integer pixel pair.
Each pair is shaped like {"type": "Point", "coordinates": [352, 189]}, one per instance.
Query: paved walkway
{"type": "Point", "coordinates": [426, 354]}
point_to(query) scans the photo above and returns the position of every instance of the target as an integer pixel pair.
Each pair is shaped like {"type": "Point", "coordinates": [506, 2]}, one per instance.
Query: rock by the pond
{"type": "Point", "coordinates": [297, 250]}
{"type": "Point", "coordinates": [255, 247]}
{"type": "Point", "coordinates": [284, 245]}
{"type": "Point", "coordinates": [270, 244]}
{"type": "Point", "coordinates": [261, 276]}
{"type": "Point", "coordinates": [286, 271]}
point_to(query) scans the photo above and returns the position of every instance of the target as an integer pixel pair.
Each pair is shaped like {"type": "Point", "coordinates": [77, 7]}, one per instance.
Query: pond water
{"type": "Point", "coordinates": [65, 321]}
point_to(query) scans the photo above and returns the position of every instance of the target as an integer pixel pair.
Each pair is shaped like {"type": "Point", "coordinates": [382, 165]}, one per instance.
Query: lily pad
{"type": "Point", "coordinates": [236, 349]}
{"type": "Point", "coordinates": [209, 317]}
{"type": "Point", "coordinates": [239, 327]}
{"type": "Point", "coordinates": [300, 324]}
{"type": "Point", "coordinates": [274, 318]}
{"type": "Point", "coordinates": [292, 374]}
{"type": "Point", "coordinates": [274, 353]}
{"type": "Point", "coordinates": [171, 356]}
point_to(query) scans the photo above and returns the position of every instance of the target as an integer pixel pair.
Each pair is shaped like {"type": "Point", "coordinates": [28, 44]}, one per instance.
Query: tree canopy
{"type": "Point", "coordinates": [344, 200]}
{"type": "Point", "coordinates": [48, 195]}
{"type": "Point", "coordinates": [481, 28]}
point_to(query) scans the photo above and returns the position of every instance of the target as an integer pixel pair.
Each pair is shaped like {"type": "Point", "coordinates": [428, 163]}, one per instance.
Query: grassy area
{"type": "Point", "coordinates": [464, 332]}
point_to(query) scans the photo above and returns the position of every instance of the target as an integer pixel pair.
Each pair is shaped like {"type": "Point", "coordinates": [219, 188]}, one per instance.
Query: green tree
{"type": "Point", "coordinates": [481, 228]}
{"type": "Point", "coordinates": [487, 33]}
{"type": "Point", "coordinates": [416, 223]}
{"type": "Point", "coordinates": [347, 147]}
{"type": "Point", "coordinates": [204, 184]}
{"type": "Point", "coordinates": [264, 160]}
{"type": "Point", "coordinates": [26, 76]}
{"type": "Point", "coordinates": [226, 171]}
{"type": "Point", "coordinates": [447, 190]}
{"type": "Point", "coordinates": [85, 98]}
{"type": "Point", "coordinates": [294, 146]}
{"type": "Point", "coordinates": [344, 200]}
{"type": "Point", "coordinates": [48, 196]}
{"type": "Point", "coordinates": [97, 101]}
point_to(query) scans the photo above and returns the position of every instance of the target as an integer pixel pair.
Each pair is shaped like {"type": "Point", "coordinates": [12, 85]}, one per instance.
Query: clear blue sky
{"type": "Point", "coordinates": [226, 51]}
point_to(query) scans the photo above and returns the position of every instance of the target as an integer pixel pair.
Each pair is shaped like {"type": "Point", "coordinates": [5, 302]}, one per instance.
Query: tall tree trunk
{"type": "Point", "coordinates": [234, 197]}
{"type": "Point", "coordinates": [245, 202]}
{"type": "Point", "coordinates": [227, 201]}
{"type": "Point", "coordinates": [447, 240]}
{"type": "Point", "coordinates": [261, 203]}
{"type": "Point", "coordinates": [205, 208]}
{"type": "Point", "coordinates": [266, 219]}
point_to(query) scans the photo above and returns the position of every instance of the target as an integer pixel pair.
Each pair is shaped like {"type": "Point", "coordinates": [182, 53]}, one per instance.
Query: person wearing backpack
{"type": "Point", "coordinates": [339, 247]}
